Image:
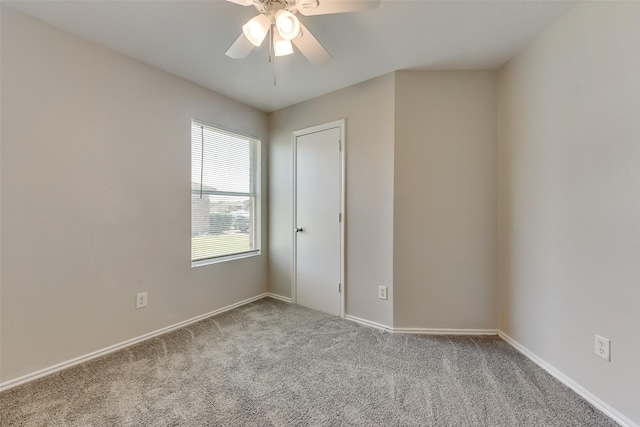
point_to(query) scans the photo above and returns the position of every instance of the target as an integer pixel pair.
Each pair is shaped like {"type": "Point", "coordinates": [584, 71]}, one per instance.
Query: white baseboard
{"type": "Point", "coordinates": [587, 395]}
{"type": "Point", "coordinates": [368, 323]}
{"type": "Point", "coordinates": [280, 297]}
{"type": "Point", "coordinates": [438, 331]}
{"type": "Point", "coordinates": [69, 363]}
{"type": "Point", "coordinates": [421, 331]}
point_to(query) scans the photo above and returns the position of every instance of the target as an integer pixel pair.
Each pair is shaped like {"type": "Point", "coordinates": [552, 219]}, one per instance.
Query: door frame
{"type": "Point", "coordinates": [295, 134]}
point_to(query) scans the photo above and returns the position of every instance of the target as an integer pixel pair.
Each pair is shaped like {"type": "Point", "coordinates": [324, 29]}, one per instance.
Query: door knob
{"type": "Point", "coordinates": [298, 229]}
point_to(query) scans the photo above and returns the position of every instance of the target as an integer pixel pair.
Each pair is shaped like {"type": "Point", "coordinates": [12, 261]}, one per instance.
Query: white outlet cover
{"type": "Point", "coordinates": [603, 347]}
{"type": "Point", "coordinates": [141, 300]}
{"type": "Point", "coordinates": [382, 292]}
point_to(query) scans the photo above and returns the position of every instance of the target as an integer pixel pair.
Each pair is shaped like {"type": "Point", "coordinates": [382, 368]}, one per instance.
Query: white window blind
{"type": "Point", "coordinates": [224, 209]}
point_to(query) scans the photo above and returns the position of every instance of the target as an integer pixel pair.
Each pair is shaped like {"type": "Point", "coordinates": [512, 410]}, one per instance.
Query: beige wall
{"type": "Point", "coordinates": [441, 131]}
{"type": "Point", "coordinates": [96, 198]}
{"type": "Point", "coordinates": [368, 110]}
{"type": "Point", "coordinates": [569, 148]}
{"type": "Point", "coordinates": [445, 188]}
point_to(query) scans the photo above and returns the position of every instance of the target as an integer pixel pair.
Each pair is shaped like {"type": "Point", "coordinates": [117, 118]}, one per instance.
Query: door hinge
{"type": "Point", "coordinates": [339, 145]}
{"type": "Point", "coordinates": [340, 217]}
{"type": "Point", "coordinates": [339, 287]}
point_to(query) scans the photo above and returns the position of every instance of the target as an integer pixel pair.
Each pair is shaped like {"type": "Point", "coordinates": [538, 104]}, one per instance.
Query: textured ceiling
{"type": "Point", "coordinates": [189, 38]}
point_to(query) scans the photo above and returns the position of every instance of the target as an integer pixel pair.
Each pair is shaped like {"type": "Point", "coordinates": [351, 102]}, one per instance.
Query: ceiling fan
{"type": "Point", "coordinates": [277, 18]}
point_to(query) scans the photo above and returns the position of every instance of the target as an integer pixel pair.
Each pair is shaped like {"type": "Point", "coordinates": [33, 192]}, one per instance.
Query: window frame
{"type": "Point", "coordinates": [254, 195]}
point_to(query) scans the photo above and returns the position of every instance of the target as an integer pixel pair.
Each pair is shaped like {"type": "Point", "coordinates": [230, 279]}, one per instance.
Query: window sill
{"type": "Point", "coordinates": [218, 260]}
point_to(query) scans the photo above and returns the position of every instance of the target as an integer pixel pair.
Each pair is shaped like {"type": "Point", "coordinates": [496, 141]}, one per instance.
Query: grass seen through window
{"type": "Point", "coordinates": [208, 245]}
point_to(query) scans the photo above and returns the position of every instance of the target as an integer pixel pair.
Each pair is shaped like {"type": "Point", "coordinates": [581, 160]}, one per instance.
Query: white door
{"type": "Point", "coordinates": [318, 226]}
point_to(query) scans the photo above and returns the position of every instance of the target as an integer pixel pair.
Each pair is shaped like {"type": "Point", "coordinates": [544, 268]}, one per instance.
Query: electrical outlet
{"type": "Point", "coordinates": [382, 292]}
{"type": "Point", "coordinates": [141, 300]}
{"type": "Point", "coordinates": [603, 347]}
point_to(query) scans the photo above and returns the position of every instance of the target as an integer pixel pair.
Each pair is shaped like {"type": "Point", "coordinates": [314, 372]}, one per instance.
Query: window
{"type": "Point", "coordinates": [225, 211]}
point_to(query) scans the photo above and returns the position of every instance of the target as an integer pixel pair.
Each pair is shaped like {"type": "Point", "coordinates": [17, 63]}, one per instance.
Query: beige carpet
{"type": "Point", "coordinates": [270, 363]}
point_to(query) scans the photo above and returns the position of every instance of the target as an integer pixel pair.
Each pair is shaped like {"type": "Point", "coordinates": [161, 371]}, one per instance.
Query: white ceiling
{"type": "Point", "coordinates": [189, 39]}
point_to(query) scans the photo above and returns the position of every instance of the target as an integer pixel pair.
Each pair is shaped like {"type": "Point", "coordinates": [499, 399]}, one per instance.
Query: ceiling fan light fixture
{"type": "Point", "coordinates": [307, 4]}
{"type": "Point", "coordinates": [287, 24]}
{"type": "Point", "coordinates": [256, 29]}
{"type": "Point", "coordinates": [281, 47]}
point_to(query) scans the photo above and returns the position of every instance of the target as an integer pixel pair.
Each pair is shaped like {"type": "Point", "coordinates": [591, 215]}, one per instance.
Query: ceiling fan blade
{"type": "Point", "coordinates": [326, 7]}
{"type": "Point", "coordinates": [240, 48]}
{"type": "Point", "coordinates": [242, 2]}
{"type": "Point", "coordinates": [311, 47]}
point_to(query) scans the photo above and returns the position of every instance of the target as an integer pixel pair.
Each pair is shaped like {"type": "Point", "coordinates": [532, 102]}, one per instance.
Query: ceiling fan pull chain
{"type": "Point", "coordinates": [271, 36]}
{"type": "Point", "coordinates": [272, 57]}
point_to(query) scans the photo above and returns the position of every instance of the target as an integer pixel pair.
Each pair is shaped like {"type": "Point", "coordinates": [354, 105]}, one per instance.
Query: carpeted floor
{"type": "Point", "coordinates": [271, 363]}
